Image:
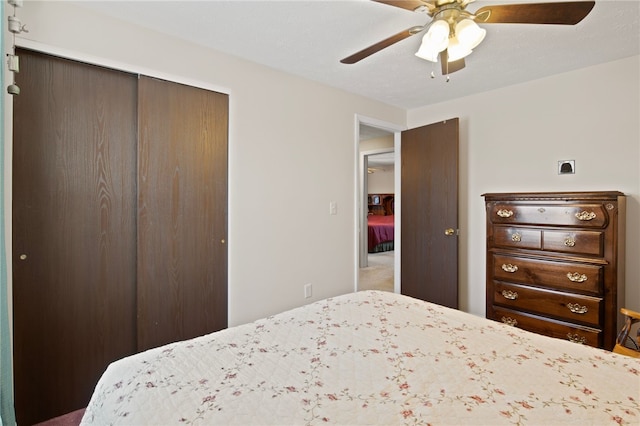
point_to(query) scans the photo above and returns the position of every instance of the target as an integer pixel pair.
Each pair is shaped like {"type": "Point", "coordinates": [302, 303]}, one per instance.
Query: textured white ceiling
{"type": "Point", "coordinates": [308, 38]}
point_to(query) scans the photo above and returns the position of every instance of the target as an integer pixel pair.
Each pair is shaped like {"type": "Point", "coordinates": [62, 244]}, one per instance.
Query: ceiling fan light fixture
{"type": "Point", "coordinates": [457, 50]}
{"type": "Point", "coordinates": [439, 31]}
{"type": "Point", "coordinates": [469, 33]}
{"type": "Point", "coordinates": [428, 55]}
{"type": "Point", "coordinates": [434, 41]}
{"type": "Point", "coordinates": [428, 52]}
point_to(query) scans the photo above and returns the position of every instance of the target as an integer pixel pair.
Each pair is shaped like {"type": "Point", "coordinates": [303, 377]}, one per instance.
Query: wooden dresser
{"type": "Point", "coordinates": [555, 263]}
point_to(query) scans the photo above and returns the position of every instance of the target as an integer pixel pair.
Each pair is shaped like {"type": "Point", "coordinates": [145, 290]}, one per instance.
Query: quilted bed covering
{"type": "Point", "coordinates": [370, 358]}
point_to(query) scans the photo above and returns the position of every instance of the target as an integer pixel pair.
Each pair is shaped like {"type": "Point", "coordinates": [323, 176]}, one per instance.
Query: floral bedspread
{"type": "Point", "coordinates": [370, 358]}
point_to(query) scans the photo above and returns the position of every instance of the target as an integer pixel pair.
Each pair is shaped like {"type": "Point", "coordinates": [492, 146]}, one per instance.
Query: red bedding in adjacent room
{"type": "Point", "coordinates": [380, 230]}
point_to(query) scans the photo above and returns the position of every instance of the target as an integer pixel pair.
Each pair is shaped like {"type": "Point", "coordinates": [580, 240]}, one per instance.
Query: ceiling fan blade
{"type": "Point", "coordinates": [412, 5]}
{"type": "Point", "coordinates": [450, 67]}
{"type": "Point", "coordinates": [368, 51]}
{"type": "Point", "coordinates": [559, 13]}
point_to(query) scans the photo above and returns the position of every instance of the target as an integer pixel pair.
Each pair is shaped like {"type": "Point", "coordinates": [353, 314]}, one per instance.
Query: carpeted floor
{"type": "Point", "coordinates": [70, 419]}
{"type": "Point", "coordinates": [379, 274]}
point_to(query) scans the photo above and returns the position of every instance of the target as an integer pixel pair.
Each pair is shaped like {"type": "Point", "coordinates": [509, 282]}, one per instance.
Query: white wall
{"type": "Point", "coordinates": [377, 143]}
{"type": "Point", "coordinates": [381, 182]}
{"type": "Point", "coordinates": [511, 140]}
{"type": "Point", "coordinates": [284, 132]}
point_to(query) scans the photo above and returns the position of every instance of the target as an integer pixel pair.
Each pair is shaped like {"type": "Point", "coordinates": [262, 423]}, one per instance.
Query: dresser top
{"type": "Point", "coordinates": [558, 196]}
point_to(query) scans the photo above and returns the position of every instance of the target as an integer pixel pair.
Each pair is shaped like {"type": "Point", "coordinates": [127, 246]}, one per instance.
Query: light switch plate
{"type": "Point", "coordinates": [333, 208]}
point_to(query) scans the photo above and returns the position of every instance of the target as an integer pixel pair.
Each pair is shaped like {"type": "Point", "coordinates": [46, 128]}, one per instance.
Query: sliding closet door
{"type": "Point", "coordinates": [182, 212]}
{"type": "Point", "coordinates": [74, 200]}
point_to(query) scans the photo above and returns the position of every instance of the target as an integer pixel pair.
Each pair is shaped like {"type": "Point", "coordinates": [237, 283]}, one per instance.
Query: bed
{"type": "Point", "coordinates": [370, 357]}
{"type": "Point", "coordinates": [380, 233]}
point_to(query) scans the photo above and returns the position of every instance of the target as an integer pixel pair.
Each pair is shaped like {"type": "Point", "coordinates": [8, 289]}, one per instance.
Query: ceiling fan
{"type": "Point", "coordinates": [453, 31]}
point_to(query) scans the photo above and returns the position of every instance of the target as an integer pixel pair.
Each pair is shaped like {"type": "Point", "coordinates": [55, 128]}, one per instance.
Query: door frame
{"type": "Point", "coordinates": [364, 176]}
{"type": "Point", "coordinates": [360, 200]}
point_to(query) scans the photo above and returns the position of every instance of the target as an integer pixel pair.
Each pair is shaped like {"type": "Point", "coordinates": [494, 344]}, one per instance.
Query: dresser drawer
{"type": "Point", "coordinates": [577, 215]}
{"type": "Point", "coordinates": [569, 241]}
{"type": "Point", "coordinates": [508, 236]}
{"type": "Point", "coordinates": [578, 242]}
{"type": "Point", "coordinates": [547, 273]}
{"type": "Point", "coordinates": [558, 329]}
{"type": "Point", "coordinates": [564, 306]}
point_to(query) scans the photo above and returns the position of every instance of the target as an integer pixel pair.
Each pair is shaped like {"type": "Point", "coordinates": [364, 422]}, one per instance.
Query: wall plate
{"type": "Point", "coordinates": [566, 167]}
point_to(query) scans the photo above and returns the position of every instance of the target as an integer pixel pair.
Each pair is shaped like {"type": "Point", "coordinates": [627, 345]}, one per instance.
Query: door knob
{"type": "Point", "coordinates": [449, 231]}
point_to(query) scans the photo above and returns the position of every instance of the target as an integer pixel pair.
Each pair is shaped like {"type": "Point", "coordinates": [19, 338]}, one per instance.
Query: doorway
{"type": "Point", "coordinates": [426, 230]}
{"type": "Point", "coordinates": [377, 256]}
{"type": "Point", "coordinates": [376, 269]}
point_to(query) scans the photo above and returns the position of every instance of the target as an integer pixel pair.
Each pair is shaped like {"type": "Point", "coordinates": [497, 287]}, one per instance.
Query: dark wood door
{"type": "Point", "coordinates": [182, 217]}
{"type": "Point", "coordinates": [429, 212]}
{"type": "Point", "coordinates": [74, 198]}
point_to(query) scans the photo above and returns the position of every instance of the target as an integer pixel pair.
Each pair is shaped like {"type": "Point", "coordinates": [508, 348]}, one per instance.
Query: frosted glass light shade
{"type": "Point", "coordinates": [439, 32]}
{"type": "Point", "coordinates": [434, 41]}
{"type": "Point", "coordinates": [427, 54]}
{"type": "Point", "coordinates": [457, 50]}
{"type": "Point", "coordinates": [469, 33]}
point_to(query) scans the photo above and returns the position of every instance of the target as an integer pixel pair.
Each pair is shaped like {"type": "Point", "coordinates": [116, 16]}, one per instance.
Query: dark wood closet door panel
{"type": "Point", "coordinates": [182, 204]}
{"type": "Point", "coordinates": [74, 198]}
{"type": "Point", "coordinates": [429, 188]}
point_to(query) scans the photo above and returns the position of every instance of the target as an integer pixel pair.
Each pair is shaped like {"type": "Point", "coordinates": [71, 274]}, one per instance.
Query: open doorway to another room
{"type": "Point", "coordinates": [377, 245]}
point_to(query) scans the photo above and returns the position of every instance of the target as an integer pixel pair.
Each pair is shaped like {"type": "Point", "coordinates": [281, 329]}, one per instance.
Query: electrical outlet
{"type": "Point", "coordinates": [307, 291]}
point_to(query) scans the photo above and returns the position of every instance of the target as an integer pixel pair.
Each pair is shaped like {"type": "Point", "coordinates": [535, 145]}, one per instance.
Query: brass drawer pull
{"type": "Point", "coordinates": [516, 237]}
{"type": "Point", "coordinates": [569, 241]}
{"type": "Point", "coordinates": [585, 216]}
{"type": "Point", "coordinates": [576, 338]}
{"type": "Point", "coordinates": [576, 277]}
{"type": "Point", "coordinates": [577, 309]}
{"type": "Point", "coordinates": [504, 213]}
{"type": "Point", "coordinates": [507, 267]}
{"type": "Point", "coordinates": [510, 321]}
{"type": "Point", "coordinates": [509, 294]}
